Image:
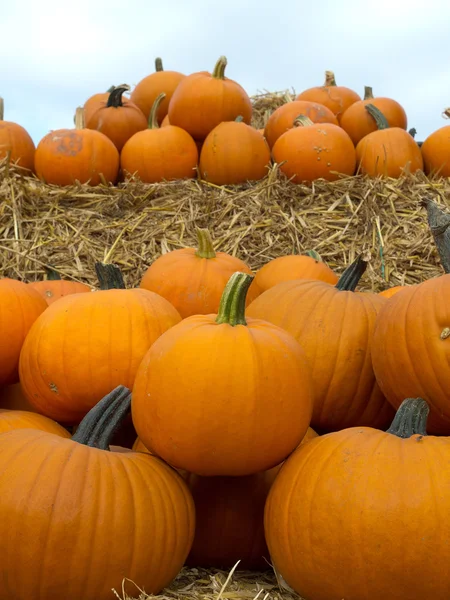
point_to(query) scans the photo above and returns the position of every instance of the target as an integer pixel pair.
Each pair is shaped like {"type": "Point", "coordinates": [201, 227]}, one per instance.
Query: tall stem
{"type": "Point", "coordinates": [351, 276]}
{"type": "Point", "coordinates": [219, 69]}
{"type": "Point", "coordinates": [115, 97]}
{"type": "Point", "coordinates": [79, 118]}
{"type": "Point", "coordinates": [376, 113]}
{"type": "Point", "coordinates": [2, 109]}
{"type": "Point", "coordinates": [439, 223]}
{"type": "Point", "coordinates": [232, 303]}
{"type": "Point", "coordinates": [368, 92]}
{"type": "Point", "coordinates": [158, 64]}
{"type": "Point", "coordinates": [410, 419]}
{"type": "Point", "coordinates": [330, 78]}
{"type": "Point", "coordinates": [153, 116]}
{"type": "Point", "coordinates": [205, 244]}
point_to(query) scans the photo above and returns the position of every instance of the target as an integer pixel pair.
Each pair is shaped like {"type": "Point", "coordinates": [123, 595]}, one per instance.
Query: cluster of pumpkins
{"type": "Point", "coordinates": [255, 410]}
{"type": "Point", "coordinates": [175, 126]}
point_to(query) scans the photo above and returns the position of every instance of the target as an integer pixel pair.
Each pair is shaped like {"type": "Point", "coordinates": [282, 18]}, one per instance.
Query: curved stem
{"type": "Point", "coordinates": [313, 254]}
{"type": "Point", "coordinates": [2, 109]}
{"type": "Point", "coordinates": [219, 69]}
{"type": "Point", "coordinates": [101, 422]}
{"type": "Point", "coordinates": [368, 92]}
{"type": "Point", "coordinates": [79, 118]}
{"type": "Point", "coordinates": [410, 419]}
{"type": "Point", "coordinates": [115, 97]}
{"type": "Point", "coordinates": [232, 303]}
{"type": "Point", "coordinates": [109, 276]}
{"type": "Point", "coordinates": [153, 116]}
{"type": "Point", "coordinates": [52, 275]}
{"type": "Point", "coordinates": [329, 78]}
{"type": "Point", "coordinates": [110, 89]}
{"type": "Point", "coordinates": [351, 276]}
{"type": "Point", "coordinates": [302, 121]}
{"type": "Point", "coordinates": [439, 224]}
{"type": "Point", "coordinates": [158, 64]}
{"type": "Point", "coordinates": [205, 244]}
{"type": "Point", "coordinates": [376, 113]}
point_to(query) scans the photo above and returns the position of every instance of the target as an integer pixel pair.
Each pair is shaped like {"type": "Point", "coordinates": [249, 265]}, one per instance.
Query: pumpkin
{"type": "Point", "coordinates": [116, 119]}
{"type": "Point", "coordinates": [15, 143]}
{"type": "Point", "coordinates": [203, 100]}
{"type": "Point", "coordinates": [233, 153]}
{"type": "Point", "coordinates": [436, 152]}
{"type": "Point", "coordinates": [312, 151]}
{"type": "Point", "coordinates": [389, 151]}
{"type": "Point", "coordinates": [165, 121]}
{"type": "Point", "coordinates": [149, 88]}
{"type": "Point", "coordinates": [389, 292]}
{"type": "Point", "coordinates": [193, 279]}
{"type": "Point", "coordinates": [160, 153]}
{"type": "Point", "coordinates": [20, 306]}
{"type": "Point", "coordinates": [96, 100]}
{"type": "Point", "coordinates": [54, 287]}
{"type": "Point", "coordinates": [294, 266]}
{"type": "Point", "coordinates": [358, 123]}
{"type": "Point", "coordinates": [381, 496]}
{"type": "Point", "coordinates": [21, 419]}
{"type": "Point", "coordinates": [65, 156]}
{"type": "Point", "coordinates": [282, 119]}
{"type": "Point", "coordinates": [63, 497]}
{"type": "Point", "coordinates": [257, 375]}
{"type": "Point", "coordinates": [335, 97]}
{"type": "Point", "coordinates": [85, 344]}
{"type": "Point", "coordinates": [334, 326]}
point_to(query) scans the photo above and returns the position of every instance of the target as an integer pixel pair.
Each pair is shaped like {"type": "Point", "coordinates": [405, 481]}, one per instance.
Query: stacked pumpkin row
{"type": "Point", "coordinates": [175, 127]}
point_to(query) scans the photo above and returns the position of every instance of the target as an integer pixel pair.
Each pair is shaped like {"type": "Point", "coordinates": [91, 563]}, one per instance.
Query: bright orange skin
{"type": "Point", "coordinates": [201, 102]}
{"type": "Point", "coordinates": [67, 155]}
{"type": "Point", "coordinates": [53, 289]}
{"type": "Point", "coordinates": [117, 123]}
{"type": "Point", "coordinates": [410, 359]}
{"type": "Point", "coordinates": [194, 285]}
{"type": "Point", "coordinates": [282, 119]}
{"type": "Point", "coordinates": [337, 98]}
{"type": "Point", "coordinates": [381, 498]}
{"type": "Point", "coordinates": [63, 498]}
{"type": "Point", "coordinates": [161, 154]}
{"type": "Point", "coordinates": [92, 103]}
{"type": "Point", "coordinates": [387, 152]}
{"type": "Point", "coordinates": [20, 306]}
{"type": "Point", "coordinates": [314, 152]}
{"type": "Point", "coordinates": [86, 344]}
{"type": "Point", "coordinates": [242, 400]}
{"type": "Point", "coordinates": [358, 123]}
{"type": "Point", "coordinates": [335, 329]}
{"type": "Point", "coordinates": [293, 266]}
{"type": "Point", "coordinates": [391, 291]}
{"type": "Point", "coordinates": [16, 140]}
{"type": "Point", "coordinates": [436, 152]}
{"type": "Point", "coordinates": [234, 153]}
{"type": "Point", "coordinates": [21, 419]}
{"type": "Point", "coordinates": [149, 88]}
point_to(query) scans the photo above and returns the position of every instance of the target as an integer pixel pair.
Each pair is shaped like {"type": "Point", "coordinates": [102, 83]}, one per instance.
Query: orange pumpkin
{"type": "Point", "coordinates": [165, 121]}
{"type": "Point", "coordinates": [391, 291]}
{"type": "Point", "coordinates": [54, 287]}
{"type": "Point", "coordinates": [334, 326]}
{"type": "Point", "coordinates": [203, 100]}
{"type": "Point", "coordinates": [436, 152]}
{"type": "Point", "coordinates": [15, 143]}
{"type": "Point", "coordinates": [389, 151]}
{"type": "Point", "coordinates": [312, 151]}
{"type": "Point", "coordinates": [282, 119]}
{"type": "Point", "coordinates": [193, 279]}
{"type": "Point", "coordinates": [335, 97]}
{"type": "Point", "coordinates": [65, 156]}
{"type": "Point", "coordinates": [116, 119]}
{"type": "Point", "coordinates": [160, 153]}
{"type": "Point", "coordinates": [57, 494]}
{"type": "Point", "coordinates": [255, 372]}
{"type": "Point", "coordinates": [92, 103]}
{"type": "Point", "coordinates": [85, 344]}
{"type": "Point", "coordinates": [149, 88]}
{"type": "Point", "coordinates": [21, 419]}
{"type": "Point", "coordinates": [233, 153]}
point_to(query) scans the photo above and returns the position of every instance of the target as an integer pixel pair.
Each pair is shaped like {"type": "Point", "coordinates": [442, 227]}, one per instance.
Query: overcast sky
{"type": "Point", "coordinates": [55, 54]}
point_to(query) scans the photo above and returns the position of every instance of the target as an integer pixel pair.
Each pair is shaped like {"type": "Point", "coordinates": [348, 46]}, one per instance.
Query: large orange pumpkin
{"type": "Point", "coordinates": [22, 419]}
{"type": "Point", "coordinates": [243, 397]}
{"type": "Point", "coordinates": [335, 97]}
{"type": "Point", "coordinates": [54, 287]}
{"type": "Point", "coordinates": [65, 156]}
{"type": "Point", "coordinates": [15, 143]}
{"type": "Point", "coordinates": [436, 152]}
{"type": "Point", "coordinates": [193, 279]}
{"type": "Point", "coordinates": [90, 517]}
{"type": "Point", "coordinates": [363, 514]}
{"type": "Point", "coordinates": [203, 100]}
{"type": "Point", "coordinates": [334, 326]}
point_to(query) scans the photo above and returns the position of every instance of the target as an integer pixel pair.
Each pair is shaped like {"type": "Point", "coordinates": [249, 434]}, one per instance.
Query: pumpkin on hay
{"type": "Point", "coordinates": [16, 143]}
{"type": "Point", "coordinates": [53, 288]}
{"type": "Point", "coordinates": [94, 101]}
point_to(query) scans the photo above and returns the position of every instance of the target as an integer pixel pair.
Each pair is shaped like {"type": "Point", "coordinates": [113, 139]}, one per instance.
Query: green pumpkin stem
{"type": "Point", "coordinates": [109, 276]}
{"type": "Point", "coordinates": [313, 254]}
{"type": "Point", "coordinates": [205, 244]}
{"type": "Point", "coordinates": [439, 224]}
{"type": "Point", "coordinates": [413, 132]}
{"type": "Point", "coordinates": [153, 116]}
{"type": "Point", "coordinates": [158, 64]}
{"type": "Point", "coordinates": [219, 69]}
{"type": "Point", "coordinates": [330, 79]}
{"type": "Point", "coordinates": [115, 97]}
{"type": "Point", "coordinates": [410, 419]}
{"type": "Point", "coordinates": [368, 92]}
{"type": "Point", "coordinates": [302, 121]}
{"type": "Point", "coordinates": [101, 422]}
{"type": "Point", "coordinates": [380, 119]}
{"type": "Point", "coordinates": [2, 109]}
{"type": "Point", "coordinates": [79, 118]}
{"type": "Point", "coordinates": [351, 276]}
{"type": "Point", "coordinates": [232, 303]}
{"type": "Point", "coordinates": [52, 274]}
{"type": "Point", "coordinates": [239, 119]}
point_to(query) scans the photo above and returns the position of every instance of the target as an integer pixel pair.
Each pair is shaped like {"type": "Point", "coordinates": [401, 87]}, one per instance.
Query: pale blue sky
{"type": "Point", "coordinates": [55, 54]}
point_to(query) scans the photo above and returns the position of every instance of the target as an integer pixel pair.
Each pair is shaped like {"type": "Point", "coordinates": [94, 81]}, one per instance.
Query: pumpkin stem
{"type": "Point", "coordinates": [410, 419]}
{"type": "Point", "coordinates": [351, 276]}
{"type": "Point", "coordinates": [412, 132]}
{"type": "Point", "coordinates": [110, 89]}
{"type": "Point", "coordinates": [439, 223]}
{"type": "Point", "coordinates": [79, 118]}
{"type": "Point", "coordinates": [101, 422]}
{"type": "Point", "coordinates": [313, 254]}
{"type": "Point", "coordinates": [376, 113]}
{"type": "Point", "coordinates": [368, 92]}
{"type": "Point", "coordinates": [109, 276]}
{"type": "Point", "coordinates": [302, 121]}
{"type": "Point", "coordinates": [329, 78]}
{"type": "Point", "coordinates": [115, 97]}
{"type": "Point", "coordinates": [2, 109]}
{"type": "Point", "coordinates": [158, 64]}
{"type": "Point", "coordinates": [205, 244]}
{"type": "Point", "coordinates": [239, 119]}
{"type": "Point", "coordinates": [446, 113]}
{"type": "Point", "coordinates": [153, 117]}
{"type": "Point", "coordinates": [219, 69]}
{"type": "Point", "coordinates": [232, 303]}
{"type": "Point", "coordinates": [52, 275]}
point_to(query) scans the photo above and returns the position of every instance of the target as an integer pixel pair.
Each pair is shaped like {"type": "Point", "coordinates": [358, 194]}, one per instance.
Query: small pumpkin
{"type": "Point", "coordinates": [21, 419]}
{"type": "Point", "coordinates": [436, 152]}
{"type": "Point", "coordinates": [54, 287]}
{"type": "Point", "coordinates": [335, 97]}
{"type": "Point", "coordinates": [312, 151]}
{"type": "Point", "coordinates": [16, 143]}
{"type": "Point", "coordinates": [94, 101]}
{"type": "Point", "coordinates": [65, 156]}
